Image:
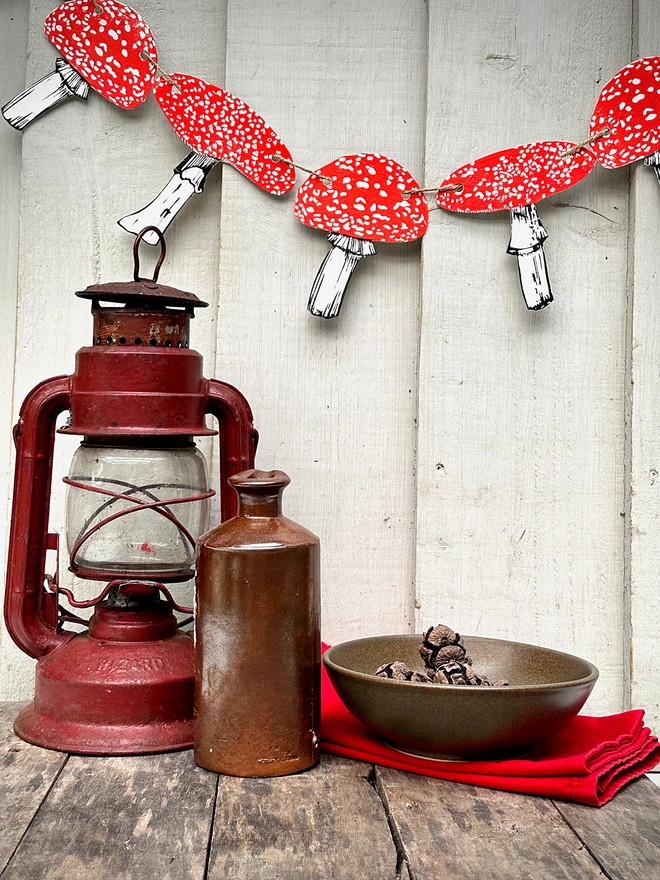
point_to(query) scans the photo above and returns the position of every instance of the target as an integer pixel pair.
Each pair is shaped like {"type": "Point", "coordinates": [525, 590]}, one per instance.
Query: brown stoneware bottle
{"type": "Point", "coordinates": [258, 645]}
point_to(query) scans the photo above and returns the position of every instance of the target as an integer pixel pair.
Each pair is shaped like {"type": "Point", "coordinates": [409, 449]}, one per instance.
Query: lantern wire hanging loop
{"type": "Point", "coordinates": [158, 506]}
{"type": "Point", "coordinates": [136, 255]}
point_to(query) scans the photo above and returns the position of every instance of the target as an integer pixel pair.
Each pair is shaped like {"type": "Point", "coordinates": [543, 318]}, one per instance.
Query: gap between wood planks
{"type": "Point", "coordinates": [401, 858]}
{"type": "Point", "coordinates": [34, 815]}
{"type": "Point", "coordinates": [376, 781]}
{"type": "Point", "coordinates": [209, 840]}
{"type": "Point", "coordinates": [584, 843]}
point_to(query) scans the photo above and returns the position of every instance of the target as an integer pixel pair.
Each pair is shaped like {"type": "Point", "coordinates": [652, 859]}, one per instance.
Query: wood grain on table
{"type": "Point", "coordinates": [161, 816]}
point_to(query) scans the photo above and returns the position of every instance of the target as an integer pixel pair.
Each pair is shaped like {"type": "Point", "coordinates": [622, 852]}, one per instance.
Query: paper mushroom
{"type": "Point", "coordinates": [357, 200]}
{"type": "Point", "coordinates": [218, 127]}
{"type": "Point", "coordinates": [102, 43]}
{"type": "Point", "coordinates": [514, 180]}
{"type": "Point", "coordinates": [625, 124]}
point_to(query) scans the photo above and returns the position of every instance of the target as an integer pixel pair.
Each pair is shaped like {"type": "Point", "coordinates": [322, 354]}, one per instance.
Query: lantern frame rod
{"type": "Point", "coordinates": [138, 505]}
{"type": "Point", "coordinates": [89, 603]}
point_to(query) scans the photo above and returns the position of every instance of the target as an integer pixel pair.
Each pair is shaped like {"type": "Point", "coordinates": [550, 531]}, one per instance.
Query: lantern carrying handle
{"type": "Point", "coordinates": [238, 438]}
{"type": "Point", "coordinates": [136, 255]}
{"type": "Point", "coordinates": [31, 623]}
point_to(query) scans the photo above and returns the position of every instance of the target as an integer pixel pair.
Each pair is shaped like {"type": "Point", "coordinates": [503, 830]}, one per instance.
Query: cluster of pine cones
{"type": "Point", "coordinates": [446, 662]}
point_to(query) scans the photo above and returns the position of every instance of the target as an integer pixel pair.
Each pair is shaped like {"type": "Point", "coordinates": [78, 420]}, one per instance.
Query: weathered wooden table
{"type": "Point", "coordinates": [161, 816]}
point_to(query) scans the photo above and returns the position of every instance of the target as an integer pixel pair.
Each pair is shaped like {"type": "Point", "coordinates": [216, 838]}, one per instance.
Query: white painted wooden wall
{"type": "Point", "coordinates": [463, 461]}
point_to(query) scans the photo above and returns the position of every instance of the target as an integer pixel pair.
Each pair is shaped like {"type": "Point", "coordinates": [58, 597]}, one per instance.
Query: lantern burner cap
{"type": "Point", "coordinates": [131, 595]}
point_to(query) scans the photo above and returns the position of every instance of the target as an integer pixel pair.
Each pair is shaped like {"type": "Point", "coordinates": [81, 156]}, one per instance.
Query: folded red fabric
{"type": "Point", "coordinates": [587, 762]}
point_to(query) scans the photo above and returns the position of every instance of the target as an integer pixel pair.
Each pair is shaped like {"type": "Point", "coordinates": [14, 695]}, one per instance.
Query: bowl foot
{"type": "Point", "coordinates": [461, 759]}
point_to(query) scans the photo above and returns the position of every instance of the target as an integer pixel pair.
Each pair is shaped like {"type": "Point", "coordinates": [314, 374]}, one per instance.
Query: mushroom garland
{"type": "Point", "coordinates": [626, 121]}
{"type": "Point", "coordinates": [357, 200]}
{"type": "Point", "coordinates": [218, 127]}
{"type": "Point", "coordinates": [101, 43]}
{"type": "Point", "coordinates": [514, 180]}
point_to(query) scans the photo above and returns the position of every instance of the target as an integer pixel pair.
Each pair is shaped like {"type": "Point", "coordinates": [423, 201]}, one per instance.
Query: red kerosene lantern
{"type": "Point", "coordinates": [138, 496]}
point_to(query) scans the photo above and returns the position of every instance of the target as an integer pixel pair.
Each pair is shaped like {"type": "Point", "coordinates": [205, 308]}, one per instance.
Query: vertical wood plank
{"type": "Point", "coordinates": [121, 819]}
{"type": "Point", "coordinates": [27, 774]}
{"type": "Point", "coordinates": [521, 440]}
{"type": "Point", "coordinates": [14, 22]}
{"type": "Point", "coordinates": [334, 400]}
{"type": "Point", "coordinates": [448, 830]}
{"type": "Point", "coordinates": [645, 406]}
{"type": "Point", "coordinates": [84, 165]}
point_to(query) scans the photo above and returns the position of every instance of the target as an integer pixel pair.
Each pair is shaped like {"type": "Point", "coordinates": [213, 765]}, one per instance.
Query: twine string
{"type": "Point", "coordinates": [145, 56]}
{"type": "Point", "coordinates": [604, 132]}
{"type": "Point", "coordinates": [277, 158]}
{"type": "Point", "coordinates": [98, 9]}
{"type": "Point", "coordinates": [448, 187]}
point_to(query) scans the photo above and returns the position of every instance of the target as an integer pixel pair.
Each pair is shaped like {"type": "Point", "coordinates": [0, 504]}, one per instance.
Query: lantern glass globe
{"type": "Point", "coordinates": [109, 526]}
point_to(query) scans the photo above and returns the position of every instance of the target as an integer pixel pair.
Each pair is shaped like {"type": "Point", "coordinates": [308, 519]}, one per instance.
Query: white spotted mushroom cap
{"type": "Point", "coordinates": [216, 123]}
{"type": "Point", "coordinates": [366, 198]}
{"type": "Point", "coordinates": [629, 106]}
{"type": "Point", "coordinates": [515, 177]}
{"type": "Point", "coordinates": [103, 42]}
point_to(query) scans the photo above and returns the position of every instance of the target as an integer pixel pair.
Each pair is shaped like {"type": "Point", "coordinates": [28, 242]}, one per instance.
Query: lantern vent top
{"type": "Point", "coordinates": [143, 293]}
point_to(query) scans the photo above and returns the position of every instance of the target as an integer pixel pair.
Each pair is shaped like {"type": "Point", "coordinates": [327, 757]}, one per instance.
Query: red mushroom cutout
{"type": "Point", "coordinates": [218, 127]}
{"type": "Point", "coordinates": [357, 200]}
{"type": "Point", "coordinates": [628, 109]}
{"type": "Point", "coordinates": [101, 43]}
{"type": "Point", "coordinates": [514, 180]}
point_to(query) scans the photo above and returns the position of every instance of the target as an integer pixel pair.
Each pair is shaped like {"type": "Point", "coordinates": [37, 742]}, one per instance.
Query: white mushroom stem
{"type": "Point", "coordinates": [336, 269]}
{"type": "Point", "coordinates": [188, 178]}
{"type": "Point", "coordinates": [654, 161]}
{"type": "Point", "coordinates": [527, 237]}
{"type": "Point", "coordinates": [63, 83]}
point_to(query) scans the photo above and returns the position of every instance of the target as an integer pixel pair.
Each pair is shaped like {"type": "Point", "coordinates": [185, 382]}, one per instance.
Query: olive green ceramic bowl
{"type": "Point", "coordinates": [547, 689]}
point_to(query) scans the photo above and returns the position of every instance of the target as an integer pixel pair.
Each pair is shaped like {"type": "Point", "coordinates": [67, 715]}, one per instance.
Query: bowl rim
{"type": "Point", "coordinates": [331, 664]}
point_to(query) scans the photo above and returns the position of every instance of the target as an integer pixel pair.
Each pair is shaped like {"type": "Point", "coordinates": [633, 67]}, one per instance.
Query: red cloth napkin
{"type": "Point", "coordinates": [588, 761]}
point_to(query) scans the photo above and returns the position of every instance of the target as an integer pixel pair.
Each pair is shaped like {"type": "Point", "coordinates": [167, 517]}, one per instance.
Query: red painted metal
{"type": "Point", "coordinates": [34, 435]}
{"type": "Point", "coordinates": [119, 391]}
{"type": "Point", "coordinates": [123, 688]}
{"type": "Point", "coordinates": [126, 686]}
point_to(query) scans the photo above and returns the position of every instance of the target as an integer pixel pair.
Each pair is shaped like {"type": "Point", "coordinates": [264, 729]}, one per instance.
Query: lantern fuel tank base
{"type": "Point", "coordinates": [127, 695]}
{"type": "Point", "coordinates": [42, 730]}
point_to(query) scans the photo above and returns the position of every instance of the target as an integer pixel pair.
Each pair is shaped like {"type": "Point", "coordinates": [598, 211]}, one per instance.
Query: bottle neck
{"type": "Point", "coordinates": [259, 492]}
{"type": "Point", "coordinates": [250, 504]}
